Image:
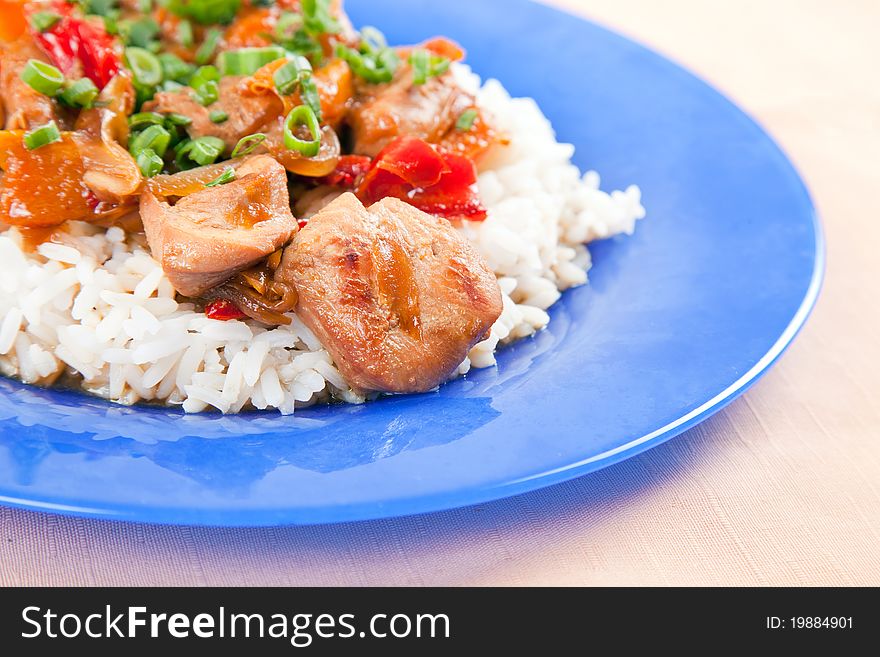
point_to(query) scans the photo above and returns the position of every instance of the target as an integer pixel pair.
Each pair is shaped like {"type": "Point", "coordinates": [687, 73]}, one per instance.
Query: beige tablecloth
{"type": "Point", "coordinates": [783, 487]}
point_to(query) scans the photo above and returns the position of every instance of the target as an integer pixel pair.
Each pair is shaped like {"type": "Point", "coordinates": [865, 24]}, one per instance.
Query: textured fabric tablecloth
{"type": "Point", "coordinates": [782, 487]}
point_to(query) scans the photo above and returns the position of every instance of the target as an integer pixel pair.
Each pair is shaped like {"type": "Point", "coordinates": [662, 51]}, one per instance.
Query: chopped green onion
{"type": "Point", "coordinates": [80, 93]}
{"type": "Point", "coordinates": [228, 175]}
{"type": "Point", "coordinates": [42, 77]}
{"type": "Point", "coordinates": [149, 162]}
{"type": "Point", "coordinates": [181, 150]}
{"type": "Point", "coordinates": [203, 75]}
{"type": "Point", "coordinates": [427, 65]}
{"type": "Point", "coordinates": [45, 134]}
{"type": "Point", "coordinates": [247, 145]}
{"type": "Point", "coordinates": [170, 85]}
{"type": "Point", "coordinates": [288, 24]}
{"type": "Point", "coordinates": [287, 77]}
{"type": "Point", "coordinates": [302, 115]}
{"type": "Point", "coordinates": [206, 12]}
{"type": "Point", "coordinates": [207, 93]}
{"type": "Point", "coordinates": [111, 25]}
{"type": "Point", "coordinates": [100, 7]}
{"type": "Point", "coordinates": [208, 73]}
{"type": "Point", "coordinates": [372, 40]}
{"type": "Point", "coordinates": [218, 116]}
{"type": "Point", "coordinates": [154, 137]}
{"type": "Point", "coordinates": [300, 33]}
{"type": "Point", "coordinates": [204, 84]}
{"type": "Point", "coordinates": [310, 96]}
{"type": "Point", "coordinates": [439, 65]}
{"type": "Point", "coordinates": [205, 52]}
{"type": "Point", "coordinates": [145, 6]}
{"type": "Point", "coordinates": [174, 68]}
{"type": "Point", "coordinates": [185, 33]}
{"type": "Point", "coordinates": [176, 119]}
{"type": "Point", "coordinates": [142, 32]}
{"type": "Point", "coordinates": [466, 120]}
{"type": "Point", "coordinates": [144, 66]}
{"type": "Point", "coordinates": [143, 93]}
{"type": "Point", "coordinates": [317, 18]}
{"type": "Point", "coordinates": [202, 150]}
{"type": "Point", "coordinates": [300, 43]}
{"type": "Point", "coordinates": [374, 67]}
{"type": "Point", "coordinates": [420, 60]}
{"type": "Point", "coordinates": [144, 119]}
{"type": "Point", "coordinates": [246, 61]}
{"type": "Point", "coordinates": [43, 20]}
{"type": "Point", "coordinates": [387, 59]}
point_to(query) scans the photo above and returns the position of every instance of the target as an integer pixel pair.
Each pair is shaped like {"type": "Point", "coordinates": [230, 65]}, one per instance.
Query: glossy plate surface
{"type": "Point", "coordinates": [678, 320]}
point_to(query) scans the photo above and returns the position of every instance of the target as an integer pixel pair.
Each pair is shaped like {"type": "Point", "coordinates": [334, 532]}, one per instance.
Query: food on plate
{"type": "Point", "coordinates": [235, 204]}
{"type": "Point", "coordinates": [397, 296]}
{"type": "Point", "coordinates": [208, 236]}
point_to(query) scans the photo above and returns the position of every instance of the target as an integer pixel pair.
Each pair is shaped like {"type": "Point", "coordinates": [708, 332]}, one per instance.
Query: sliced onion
{"type": "Point", "coordinates": [109, 119]}
{"type": "Point", "coordinates": [254, 305]}
{"type": "Point", "coordinates": [322, 164]}
{"type": "Point", "coordinates": [188, 182]}
{"type": "Point", "coordinates": [259, 279]}
{"type": "Point", "coordinates": [111, 172]}
{"type": "Point", "coordinates": [274, 260]}
{"type": "Point", "coordinates": [256, 293]}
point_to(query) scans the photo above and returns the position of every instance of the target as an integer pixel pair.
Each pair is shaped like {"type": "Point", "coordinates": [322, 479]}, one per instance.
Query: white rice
{"type": "Point", "coordinates": [99, 308]}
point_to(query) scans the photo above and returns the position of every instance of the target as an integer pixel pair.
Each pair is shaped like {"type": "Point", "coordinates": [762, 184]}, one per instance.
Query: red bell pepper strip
{"type": "Point", "coordinates": [413, 161]}
{"type": "Point", "coordinates": [349, 170]}
{"type": "Point", "coordinates": [223, 310]}
{"type": "Point", "coordinates": [74, 41]}
{"type": "Point", "coordinates": [427, 177]}
{"type": "Point", "coordinates": [99, 59]}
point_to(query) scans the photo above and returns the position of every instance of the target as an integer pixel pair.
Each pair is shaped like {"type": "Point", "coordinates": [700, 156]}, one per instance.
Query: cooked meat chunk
{"type": "Point", "coordinates": [313, 200]}
{"type": "Point", "coordinates": [426, 111]}
{"type": "Point", "coordinates": [209, 236]}
{"type": "Point", "coordinates": [25, 107]}
{"type": "Point", "coordinates": [398, 297]}
{"type": "Point", "coordinates": [246, 112]}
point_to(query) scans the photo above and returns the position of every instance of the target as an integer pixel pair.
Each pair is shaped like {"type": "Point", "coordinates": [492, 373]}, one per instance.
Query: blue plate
{"type": "Point", "coordinates": [678, 320]}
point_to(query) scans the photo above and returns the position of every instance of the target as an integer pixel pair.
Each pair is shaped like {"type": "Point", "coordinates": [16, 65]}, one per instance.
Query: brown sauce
{"type": "Point", "coordinates": [396, 286]}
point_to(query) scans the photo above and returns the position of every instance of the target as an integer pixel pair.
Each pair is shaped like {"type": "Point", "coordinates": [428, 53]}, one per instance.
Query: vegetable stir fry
{"type": "Point", "coordinates": [221, 126]}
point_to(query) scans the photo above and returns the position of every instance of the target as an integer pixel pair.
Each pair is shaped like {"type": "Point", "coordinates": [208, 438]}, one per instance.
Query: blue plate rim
{"type": "Point", "coordinates": [431, 503]}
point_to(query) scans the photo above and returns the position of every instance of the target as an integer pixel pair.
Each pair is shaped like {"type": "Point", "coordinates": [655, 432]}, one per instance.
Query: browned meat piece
{"type": "Point", "coordinates": [398, 297]}
{"type": "Point", "coordinates": [247, 112]}
{"type": "Point", "coordinates": [214, 233]}
{"type": "Point", "coordinates": [314, 199]}
{"type": "Point", "coordinates": [25, 108]}
{"type": "Point", "coordinates": [383, 112]}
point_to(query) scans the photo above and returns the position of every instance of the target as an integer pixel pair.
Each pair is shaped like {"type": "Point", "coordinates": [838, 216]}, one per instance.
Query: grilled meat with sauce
{"type": "Point", "coordinates": [398, 297]}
